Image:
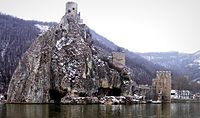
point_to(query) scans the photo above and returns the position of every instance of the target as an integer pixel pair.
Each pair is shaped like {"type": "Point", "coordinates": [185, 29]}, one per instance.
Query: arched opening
{"type": "Point", "coordinates": [116, 91]}
{"type": "Point", "coordinates": [55, 95]}
{"type": "Point", "coordinates": [82, 94]}
{"type": "Point", "coordinates": [109, 92]}
{"type": "Point", "coordinates": [73, 8]}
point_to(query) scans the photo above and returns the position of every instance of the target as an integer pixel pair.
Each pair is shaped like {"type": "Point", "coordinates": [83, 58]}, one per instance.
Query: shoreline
{"type": "Point", "coordinates": [107, 100]}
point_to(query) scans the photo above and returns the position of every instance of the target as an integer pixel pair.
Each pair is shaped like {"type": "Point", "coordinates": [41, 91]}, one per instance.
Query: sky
{"type": "Point", "coordinates": [138, 25]}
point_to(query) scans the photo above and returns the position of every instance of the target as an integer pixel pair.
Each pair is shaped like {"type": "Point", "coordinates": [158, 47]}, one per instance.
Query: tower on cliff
{"type": "Point", "coordinates": [118, 58]}
{"type": "Point", "coordinates": [71, 8]}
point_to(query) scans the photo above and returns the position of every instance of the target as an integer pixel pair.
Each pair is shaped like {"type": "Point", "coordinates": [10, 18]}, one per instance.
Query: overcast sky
{"type": "Point", "coordinates": [138, 25]}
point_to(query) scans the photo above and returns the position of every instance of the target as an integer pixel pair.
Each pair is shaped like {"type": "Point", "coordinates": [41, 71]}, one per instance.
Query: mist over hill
{"type": "Point", "coordinates": [183, 63]}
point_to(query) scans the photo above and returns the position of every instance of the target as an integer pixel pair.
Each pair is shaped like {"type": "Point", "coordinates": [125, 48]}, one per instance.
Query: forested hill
{"type": "Point", "coordinates": [16, 35]}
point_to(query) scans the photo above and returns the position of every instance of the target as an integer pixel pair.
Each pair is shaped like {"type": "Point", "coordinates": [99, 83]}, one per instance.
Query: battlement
{"type": "Point", "coordinates": [162, 85]}
{"type": "Point", "coordinates": [163, 74]}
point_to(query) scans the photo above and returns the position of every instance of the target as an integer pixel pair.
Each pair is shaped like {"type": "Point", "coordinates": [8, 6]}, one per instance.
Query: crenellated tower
{"type": "Point", "coordinates": [162, 85]}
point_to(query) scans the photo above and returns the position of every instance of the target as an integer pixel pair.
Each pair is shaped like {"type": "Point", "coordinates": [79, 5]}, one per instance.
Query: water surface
{"type": "Point", "coordinates": [174, 110]}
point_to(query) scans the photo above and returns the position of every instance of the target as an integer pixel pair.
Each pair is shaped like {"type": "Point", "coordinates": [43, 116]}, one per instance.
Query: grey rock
{"type": "Point", "coordinates": [62, 66]}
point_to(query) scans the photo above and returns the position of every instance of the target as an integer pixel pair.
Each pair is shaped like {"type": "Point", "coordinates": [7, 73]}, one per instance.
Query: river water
{"type": "Point", "coordinates": [173, 110]}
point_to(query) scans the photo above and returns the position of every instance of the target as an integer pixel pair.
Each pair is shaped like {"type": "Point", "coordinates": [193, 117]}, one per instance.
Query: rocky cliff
{"type": "Point", "coordinates": [63, 63]}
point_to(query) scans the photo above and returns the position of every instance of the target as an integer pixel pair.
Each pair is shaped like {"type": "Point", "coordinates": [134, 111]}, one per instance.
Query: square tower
{"type": "Point", "coordinates": [71, 8]}
{"type": "Point", "coordinates": [162, 85]}
{"type": "Point", "coordinates": [118, 59]}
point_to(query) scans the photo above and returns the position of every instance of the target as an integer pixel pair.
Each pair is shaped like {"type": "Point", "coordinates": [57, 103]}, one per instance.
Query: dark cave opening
{"type": "Point", "coordinates": [116, 91]}
{"type": "Point", "coordinates": [81, 94]}
{"type": "Point", "coordinates": [55, 95]}
{"type": "Point", "coordinates": [109, 91]}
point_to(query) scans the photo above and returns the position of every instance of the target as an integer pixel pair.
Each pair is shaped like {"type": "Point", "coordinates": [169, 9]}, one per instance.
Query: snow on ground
{"type": "Point", "coordinates": [43, 28]}
{"type": "Point", "coordinates": [60, 43]}
{"type": "Point", "coordinates": [197, 61]}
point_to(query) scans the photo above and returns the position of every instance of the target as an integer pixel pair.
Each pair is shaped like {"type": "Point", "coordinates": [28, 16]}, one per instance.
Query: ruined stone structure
{"type": "Point", "coordinates": [62, 66]}
{"type": "Point", "coordinates": [118, 59]}
{"type": "Point", "coordinates": [71, 11]}
{"type": "Point", "coordinates": [162, 85]}
{"type": "Point", "coordinates": [144, 91]}
{"type": "Point", "coordinates": [71, 8]}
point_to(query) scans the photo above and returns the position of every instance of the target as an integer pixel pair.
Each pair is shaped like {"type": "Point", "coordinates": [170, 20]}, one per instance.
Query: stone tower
{"type": "Point", "coordinates": [162, 85]}
{"type": "Point", "coordinates": [71, 12]}
{"type": "Point", "coordinates": [118, 59]}
{"type": "Point", "coordinates": [71, 8]}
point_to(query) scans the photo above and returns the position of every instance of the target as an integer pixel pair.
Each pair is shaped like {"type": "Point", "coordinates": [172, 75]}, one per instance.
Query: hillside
{"type": "Point", "coordinates": [142, 69]}
{"type": "Point", "coordinates": [16, 35]}
{"type": "Point", "coordinates": [186, 64]}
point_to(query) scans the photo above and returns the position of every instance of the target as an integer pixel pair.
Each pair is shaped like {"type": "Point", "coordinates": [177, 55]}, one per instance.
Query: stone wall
{"type": "Point", "coordinates": [118, 59]}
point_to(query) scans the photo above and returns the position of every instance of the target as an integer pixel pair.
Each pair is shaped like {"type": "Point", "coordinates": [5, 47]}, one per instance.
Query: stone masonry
{"type": "Point", "coordinates": [162, 85]}
{"type": "Point", "coordinates": [118, 59]}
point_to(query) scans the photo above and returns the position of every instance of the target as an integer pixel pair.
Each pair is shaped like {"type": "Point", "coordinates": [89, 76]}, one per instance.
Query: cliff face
{"type": "Point", "coordinates": [63, 63]}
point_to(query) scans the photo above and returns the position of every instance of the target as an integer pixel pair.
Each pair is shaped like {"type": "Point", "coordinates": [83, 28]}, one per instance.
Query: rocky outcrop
{"type": "Point", "coordinates": [61, 64]}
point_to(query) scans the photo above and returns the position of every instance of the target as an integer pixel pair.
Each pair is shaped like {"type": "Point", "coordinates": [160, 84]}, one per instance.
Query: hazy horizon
{"type": "Point", "coordinates": [139, 26]}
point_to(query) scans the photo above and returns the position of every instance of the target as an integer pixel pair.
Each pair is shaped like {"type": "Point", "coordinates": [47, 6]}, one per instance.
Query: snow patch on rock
{"type": "Point", "coordinates": [60, 43]}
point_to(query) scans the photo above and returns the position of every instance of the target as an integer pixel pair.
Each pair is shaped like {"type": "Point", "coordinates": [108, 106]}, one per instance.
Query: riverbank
{"type": "Point", "coordinates": [110, 100]}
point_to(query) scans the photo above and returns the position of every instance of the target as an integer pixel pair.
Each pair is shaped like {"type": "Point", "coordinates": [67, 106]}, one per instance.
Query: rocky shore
{"type": "Point", "coordinates": [110, 100]}
{"type": "Point", "coordinates": [107, 100]}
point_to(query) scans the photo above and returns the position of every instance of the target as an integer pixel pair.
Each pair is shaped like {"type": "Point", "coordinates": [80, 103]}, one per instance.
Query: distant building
{"type": "Point", "coordinates": [144, 91]}
{"type": "Point", "coordinates": [162, 86]}
{"type": "Point", "coordinates": [118, 59]}
{"type": "Point", "coordinates": [180, 94]}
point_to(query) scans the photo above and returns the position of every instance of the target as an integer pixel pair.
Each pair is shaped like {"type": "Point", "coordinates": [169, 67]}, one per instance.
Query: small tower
{"type": "Point", "coordinates": [71, 8]}
{"type": "Point", "coordinates": [118, 59]}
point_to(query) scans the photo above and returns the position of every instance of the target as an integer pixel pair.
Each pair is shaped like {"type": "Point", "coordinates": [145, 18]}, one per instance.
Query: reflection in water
{"type": "Point", "coordinates": [2, 111]}
{"type": "Point", "coordinates": [187, 110]}
{"type": "Point", "coordinates": [27, 111]}
{"type": "Point", "coordinates": [174, 110]}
